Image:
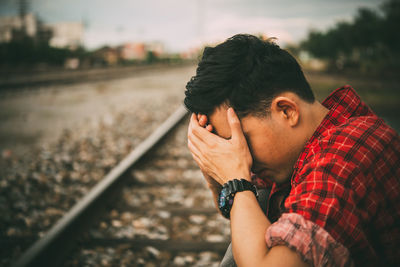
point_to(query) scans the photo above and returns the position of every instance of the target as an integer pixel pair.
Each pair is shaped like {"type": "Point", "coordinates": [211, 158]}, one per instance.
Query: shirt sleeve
{"type": "Point", "coordinates": [315, 245]}
{"type": "Point", "coordinates": [331, 191]}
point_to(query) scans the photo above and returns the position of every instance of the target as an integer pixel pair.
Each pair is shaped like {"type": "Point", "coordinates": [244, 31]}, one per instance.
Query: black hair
{"type": "Point", "coordinates": [245, 73]}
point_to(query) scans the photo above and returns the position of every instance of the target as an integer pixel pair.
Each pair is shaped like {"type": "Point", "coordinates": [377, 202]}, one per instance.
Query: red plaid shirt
{"type": "Point", "coordinates": [344, 201]}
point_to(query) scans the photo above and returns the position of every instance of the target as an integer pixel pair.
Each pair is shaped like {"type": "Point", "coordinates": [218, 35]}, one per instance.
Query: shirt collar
{"type": "Point", "coordinates": [342, 103]}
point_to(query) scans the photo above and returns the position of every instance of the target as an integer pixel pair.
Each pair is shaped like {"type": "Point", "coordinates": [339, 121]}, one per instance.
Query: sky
{"type": "Point", "coordinates": [186, 24]}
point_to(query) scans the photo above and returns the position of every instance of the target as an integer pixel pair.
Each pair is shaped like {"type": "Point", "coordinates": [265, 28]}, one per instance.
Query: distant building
{"type": "Point", "coordinates": [106, 56]}
{"type": "Point", "coordinates": [132, 51]}
{"type": "Point", "coordinates": [156, 47]}
{"type": "Point", "coordinates": [67, 34]}
{"type": "Point", "coordinates": [12, 27]}
{"type": "Point", "coordinates": [139, 51]}
{"type": "Point", "coordinates": [62, 34]}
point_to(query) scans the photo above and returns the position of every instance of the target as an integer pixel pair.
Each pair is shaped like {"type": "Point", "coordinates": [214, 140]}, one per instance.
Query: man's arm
{"type": "Point", "coordinates": [248, 227]}
{"type": "Point", "coordinates": [229, 159]}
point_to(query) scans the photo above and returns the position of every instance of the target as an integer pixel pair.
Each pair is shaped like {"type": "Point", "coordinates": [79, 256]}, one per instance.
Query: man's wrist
{"type": "Point", "coordinates": [228, 192]}
{"type": "Point", "coordinates": [245, 176]}
{"type": "Point", "coordinates": [244, 194]}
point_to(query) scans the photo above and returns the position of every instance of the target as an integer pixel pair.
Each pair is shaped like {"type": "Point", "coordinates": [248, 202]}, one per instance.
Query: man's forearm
{"type": "Point", "coordinates": [248, 227]}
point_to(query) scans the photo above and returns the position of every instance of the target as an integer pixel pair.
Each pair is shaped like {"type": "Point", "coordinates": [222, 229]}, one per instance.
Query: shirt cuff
{"type": "Point", "coordinates": [314, 244]}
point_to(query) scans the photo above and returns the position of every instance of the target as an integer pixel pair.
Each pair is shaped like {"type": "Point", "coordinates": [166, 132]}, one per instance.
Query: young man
{"type": "Point", "coordinates": [334, 167]}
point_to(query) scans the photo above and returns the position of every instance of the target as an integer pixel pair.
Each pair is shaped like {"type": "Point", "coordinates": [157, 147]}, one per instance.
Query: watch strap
{"type": "Point", "coordinates": [237, 185]}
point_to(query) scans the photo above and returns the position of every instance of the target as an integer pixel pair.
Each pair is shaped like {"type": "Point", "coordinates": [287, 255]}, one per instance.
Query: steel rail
{"type": "Point", "coordinates": [48, 250]}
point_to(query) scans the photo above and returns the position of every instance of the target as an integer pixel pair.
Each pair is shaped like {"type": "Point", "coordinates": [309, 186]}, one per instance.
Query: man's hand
{"type": "Point", "coordinates": [213, 185]}
{"type": "Point", "coordinates": [217, 157]}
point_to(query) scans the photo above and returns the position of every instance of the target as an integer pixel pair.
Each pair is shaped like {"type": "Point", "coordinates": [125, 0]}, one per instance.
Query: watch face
{"type": "Point", "coordinates": [222, 197]}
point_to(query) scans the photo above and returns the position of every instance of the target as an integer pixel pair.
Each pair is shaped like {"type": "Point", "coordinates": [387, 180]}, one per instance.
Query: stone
{"type": "Point", "coordinates": [116, 223]}
{"type": "Point", "coordinates": [153, 251]}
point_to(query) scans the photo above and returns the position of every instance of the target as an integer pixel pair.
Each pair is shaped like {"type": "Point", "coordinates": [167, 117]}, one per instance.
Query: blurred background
{"type": "Point", "coordinates": [45, 43]}
{"type": "Point", "coordinates": [83, 82]}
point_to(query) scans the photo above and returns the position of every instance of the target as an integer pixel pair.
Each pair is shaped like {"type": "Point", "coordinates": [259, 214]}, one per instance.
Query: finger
{"type": "Point", "coordinates": [203, 120]}
{"type": "Point", "coordinates": [209, 128]}
{"type": "Point", "coordinates": [234, 123]}
{"type": "Point", "coordinates": [197, 160]}
{"type": "Point", "coordinates": [195, 152]}
{"type": "Point", "coordinates": [195, 144]}
{"type": "Point", "coordinates": [193, 119]}
{"type": "Point", "coordinates": [204, 135]}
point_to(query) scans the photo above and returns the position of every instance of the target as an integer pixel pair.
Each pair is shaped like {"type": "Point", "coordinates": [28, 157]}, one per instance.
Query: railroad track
{"type": "Point", "coordinates": [153, 209]}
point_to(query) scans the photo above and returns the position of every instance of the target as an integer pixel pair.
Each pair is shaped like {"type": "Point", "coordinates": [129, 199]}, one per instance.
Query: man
{"type": "Point", "coordinates": [333, 166]}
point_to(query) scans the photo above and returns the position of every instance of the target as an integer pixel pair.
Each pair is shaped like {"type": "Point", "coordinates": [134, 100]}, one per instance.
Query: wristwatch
{"type": "Point", "coordinates": [229, 189]}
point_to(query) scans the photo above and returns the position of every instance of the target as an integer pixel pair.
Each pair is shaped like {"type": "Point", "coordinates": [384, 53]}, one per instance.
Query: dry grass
{"type": "Point", "coordinates": [382, 95]}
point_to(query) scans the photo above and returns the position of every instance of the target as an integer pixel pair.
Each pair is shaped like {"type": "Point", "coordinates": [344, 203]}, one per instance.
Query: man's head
{"type": "Point", "coordinates": [245, 73]}
{"type": "Point", "coordinates": [267, 89]}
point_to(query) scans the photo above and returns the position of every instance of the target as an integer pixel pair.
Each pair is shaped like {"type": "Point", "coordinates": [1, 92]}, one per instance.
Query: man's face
{"type": "Point", "coordinates": [271, 143]}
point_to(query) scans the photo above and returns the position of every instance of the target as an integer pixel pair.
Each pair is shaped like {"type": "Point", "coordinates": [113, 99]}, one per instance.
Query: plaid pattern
{"type": "Point", "coordinates": [347, 181]}
{"type": "Point", "coordinates": [312, 242]}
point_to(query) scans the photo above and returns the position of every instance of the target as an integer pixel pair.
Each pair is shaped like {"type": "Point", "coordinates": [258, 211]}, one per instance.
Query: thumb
{"type": "Point", "coordinates": [234, 123]}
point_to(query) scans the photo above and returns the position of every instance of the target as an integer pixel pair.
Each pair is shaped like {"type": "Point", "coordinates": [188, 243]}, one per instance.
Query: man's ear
{"type": "Point", "coordinates": [287, 109]}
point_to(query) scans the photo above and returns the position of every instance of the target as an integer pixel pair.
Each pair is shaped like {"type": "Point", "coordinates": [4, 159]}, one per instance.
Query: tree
{"type": "Point", "coordinates": [370, 42]}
